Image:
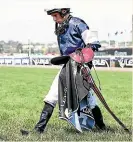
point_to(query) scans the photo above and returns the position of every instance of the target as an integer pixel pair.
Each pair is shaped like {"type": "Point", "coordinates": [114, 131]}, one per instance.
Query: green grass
{"type": "Point", "coordinates": [21, 100]}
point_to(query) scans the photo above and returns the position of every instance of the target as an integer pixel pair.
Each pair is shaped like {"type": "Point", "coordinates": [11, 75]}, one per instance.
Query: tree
{"type": "Point", "coordinates": [1, 48]}
{"type": "Point", "coordinates": [19, 48]}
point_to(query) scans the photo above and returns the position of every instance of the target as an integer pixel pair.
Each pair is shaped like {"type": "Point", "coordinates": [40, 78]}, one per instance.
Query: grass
{"type": "Point", "coordinates": [21, 100]}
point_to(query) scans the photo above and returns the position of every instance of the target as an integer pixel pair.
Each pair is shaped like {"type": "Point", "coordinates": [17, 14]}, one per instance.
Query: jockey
{"type": "Point", "coordinates": [72, 33]}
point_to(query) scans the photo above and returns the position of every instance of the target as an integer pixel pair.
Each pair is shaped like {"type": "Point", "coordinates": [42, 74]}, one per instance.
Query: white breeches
{"type": "Point", "coordinates": [52, 96]}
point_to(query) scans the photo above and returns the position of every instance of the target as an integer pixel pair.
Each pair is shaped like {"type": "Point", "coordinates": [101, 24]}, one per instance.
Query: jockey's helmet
{"type": "Point", "coordinates": [61, 9]}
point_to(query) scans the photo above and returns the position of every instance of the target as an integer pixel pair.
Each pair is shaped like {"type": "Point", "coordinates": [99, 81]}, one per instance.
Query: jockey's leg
{"type": "Point", "coordinates": [44, 118]}
{"type": "Point", "coordinates": [52, 96]}
{"type": "Point", "coordinates": [50, 102]}
{"type": "Point", "coordinates": [92, 103]}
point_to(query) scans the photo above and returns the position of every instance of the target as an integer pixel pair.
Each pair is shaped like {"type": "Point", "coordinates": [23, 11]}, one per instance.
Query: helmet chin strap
{"type": "Point", "coordinates": [61, 28]}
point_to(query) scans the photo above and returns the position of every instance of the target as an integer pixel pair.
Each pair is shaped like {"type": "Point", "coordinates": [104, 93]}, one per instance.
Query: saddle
{"type": "Point", "coordinates": [81, 55]}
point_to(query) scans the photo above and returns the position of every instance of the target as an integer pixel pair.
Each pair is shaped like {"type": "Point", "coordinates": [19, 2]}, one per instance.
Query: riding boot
{"type": "Point", "coordinates": [98, 118]}
{"type": "Point", "coordinates": [44, 118]}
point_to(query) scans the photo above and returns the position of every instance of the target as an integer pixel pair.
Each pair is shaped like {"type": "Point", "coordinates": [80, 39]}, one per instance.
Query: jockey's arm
{"type": "Point", "coordinates": [90, 41]}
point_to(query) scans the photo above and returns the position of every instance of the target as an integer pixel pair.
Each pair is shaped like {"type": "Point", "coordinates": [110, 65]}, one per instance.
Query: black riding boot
{"type": "Point", "coordinates": [98, 118]}
{"type": "Point", "coordinates": [44, 118]}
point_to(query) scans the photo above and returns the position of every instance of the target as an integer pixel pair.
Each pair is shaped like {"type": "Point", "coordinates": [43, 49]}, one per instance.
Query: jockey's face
{"type": "Point", "coordinates": [57, 17]}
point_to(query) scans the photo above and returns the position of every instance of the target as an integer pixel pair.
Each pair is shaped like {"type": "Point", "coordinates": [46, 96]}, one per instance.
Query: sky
{"type": "Point", "coordinates": [24, 20]}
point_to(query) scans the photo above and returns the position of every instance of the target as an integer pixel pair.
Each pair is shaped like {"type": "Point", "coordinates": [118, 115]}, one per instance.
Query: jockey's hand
{"type": "Point", "coordinates": [94, 47]}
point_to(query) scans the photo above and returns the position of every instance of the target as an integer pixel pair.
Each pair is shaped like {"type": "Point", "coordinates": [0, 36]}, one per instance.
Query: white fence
{"type": "Point", "coordinates": [113, 61]}
{"type": "Point", "coordinates": [99, 61]}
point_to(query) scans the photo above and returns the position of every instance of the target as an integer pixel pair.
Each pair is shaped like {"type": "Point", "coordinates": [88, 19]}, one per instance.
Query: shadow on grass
{"type": "Point", "coordinates": [111, 130]}
{"type": "Point", "coordinates": [59, 132]}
